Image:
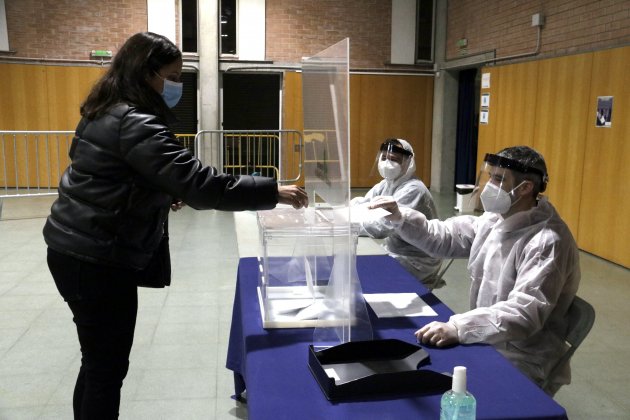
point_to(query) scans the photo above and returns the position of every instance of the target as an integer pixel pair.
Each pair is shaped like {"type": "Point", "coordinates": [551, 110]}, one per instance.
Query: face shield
{"type": "Point", "coordinates": [392, 160]}
{"type": "Point", "coordinates": [498, 179]}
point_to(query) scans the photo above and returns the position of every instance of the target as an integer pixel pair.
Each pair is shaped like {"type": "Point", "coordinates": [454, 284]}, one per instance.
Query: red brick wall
{"type": "Point", "coordinates": [297, 28]}
{"type": "Point", "coordinates": [69, 29]}
{"type": "Point", "coordinates": [571, 26]}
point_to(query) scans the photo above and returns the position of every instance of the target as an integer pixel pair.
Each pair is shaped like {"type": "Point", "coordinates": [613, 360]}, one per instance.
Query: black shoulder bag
{"type": "Point", "coordinates": [157, 273]}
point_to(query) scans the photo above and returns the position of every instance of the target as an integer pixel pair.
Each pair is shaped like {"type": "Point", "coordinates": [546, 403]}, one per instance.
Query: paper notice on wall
{"type": "Point", "coordinates": [485, 100]}
{"type": "Point", "coordinates": [485, 80]}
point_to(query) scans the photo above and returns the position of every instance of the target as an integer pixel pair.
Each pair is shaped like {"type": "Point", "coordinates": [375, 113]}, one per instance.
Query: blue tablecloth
{"type": "Point", "coordinates": [273, 364]}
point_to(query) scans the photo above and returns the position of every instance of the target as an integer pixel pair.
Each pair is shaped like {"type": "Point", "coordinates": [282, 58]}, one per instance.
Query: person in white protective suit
{"type": "Point", "coordinates": [397, 166]}
{"type": "Point", "coordinates": [523, 265]}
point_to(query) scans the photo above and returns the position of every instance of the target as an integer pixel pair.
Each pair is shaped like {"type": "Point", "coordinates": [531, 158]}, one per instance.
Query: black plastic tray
{"type": "Point", "coordinates": [375, 368]}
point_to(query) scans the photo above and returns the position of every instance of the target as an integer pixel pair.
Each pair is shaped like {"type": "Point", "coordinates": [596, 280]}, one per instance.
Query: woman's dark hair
{"type": "Point", "coordinates": [126, 81]}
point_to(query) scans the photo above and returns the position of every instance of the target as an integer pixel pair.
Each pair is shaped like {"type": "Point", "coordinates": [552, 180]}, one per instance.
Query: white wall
{"type": "Point", "coordinates": [250, 36]}
{"type": "Point", "coordinates": [403, 32]}
{"type": "Point", "coordinates": [161, 18]}
{"type": "Point", "coordinates": [4, 36]}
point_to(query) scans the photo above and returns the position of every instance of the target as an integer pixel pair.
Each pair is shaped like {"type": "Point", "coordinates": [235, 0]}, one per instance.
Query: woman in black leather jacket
{"type": "Point", "coordinates": [127, 170]}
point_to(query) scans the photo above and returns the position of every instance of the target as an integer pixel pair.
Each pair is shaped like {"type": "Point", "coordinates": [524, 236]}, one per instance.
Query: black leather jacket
{"type": "Point", "coordinates": [115, 196]}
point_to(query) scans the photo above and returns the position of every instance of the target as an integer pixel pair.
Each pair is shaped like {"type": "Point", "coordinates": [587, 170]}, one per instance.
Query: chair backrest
{"type": "Point", "coordinates": [581, 320]}
{"type": "Point", "coordinates": [437, 278]}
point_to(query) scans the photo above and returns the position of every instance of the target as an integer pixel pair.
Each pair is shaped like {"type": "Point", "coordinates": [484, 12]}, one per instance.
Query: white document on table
{"type": "Point", "coordinates": [361, 213]}
{"type": "Point", "coordinates": [392, 305]}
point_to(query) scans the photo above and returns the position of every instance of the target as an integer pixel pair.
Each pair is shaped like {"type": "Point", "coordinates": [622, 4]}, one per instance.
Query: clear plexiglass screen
{"type": "Point", "coordinates": [308, 270]}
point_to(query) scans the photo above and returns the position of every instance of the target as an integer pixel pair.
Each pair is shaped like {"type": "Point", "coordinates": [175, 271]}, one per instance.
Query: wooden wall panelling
{"type": "Point", "coordinates": [512, 108]}
{"type": "Point", "coordinates": [292, 119]}
{"type": "Point", "coordinates": [604, 226]}
{"type": "Point", "coordinates": [24, 107]}
{"type": "Point", "coordinates": [356, 149]}
{"type": "Point", "coordinates": [23, 100]}
{"type": "Point", "coordinates": [381, 106]}
{"type": "Point", "coordinates": [560, 129]}
{"type": "Point", "coordinates": [385, 106]}
{"type": "Point", "coordinates": [486, 138]}
{"type": "Point", "coordinates": [424, 114]}
{"type": "Point", "coordinates": [517, 90]}
{"type": "Point", "coordinates": [67, 88]}
{"type": "Point", "coordinates": [40, 98]}
{"type": "Point", "coordinates": [588, 165]}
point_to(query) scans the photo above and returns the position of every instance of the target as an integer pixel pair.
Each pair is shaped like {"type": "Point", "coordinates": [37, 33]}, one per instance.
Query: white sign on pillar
{"type": "Point", "coordinates": [4, 34]}
{"type": "Point", "coordinates": [161, 18]}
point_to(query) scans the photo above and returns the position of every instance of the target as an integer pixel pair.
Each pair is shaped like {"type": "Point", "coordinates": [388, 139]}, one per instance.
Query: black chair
{"type": "Point", "coordinates": [581, 320]}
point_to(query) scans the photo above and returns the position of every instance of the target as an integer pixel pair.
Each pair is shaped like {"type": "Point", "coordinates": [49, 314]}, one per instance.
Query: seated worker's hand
{"type": "Point", "coordinates": [177, 204]}
{"type": "Point", "coordinates": [293, 195]}
{"type": "Point", "coordinates": [389, 204]}
{"type": "Point", "coordinates": [438, 334]}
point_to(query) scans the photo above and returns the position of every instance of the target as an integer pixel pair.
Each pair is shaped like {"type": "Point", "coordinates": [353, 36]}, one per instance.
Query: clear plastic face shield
{"type": "Point", "coordinates": [498, 179]}
{"type": "Point", "coordinates": [392, 160]}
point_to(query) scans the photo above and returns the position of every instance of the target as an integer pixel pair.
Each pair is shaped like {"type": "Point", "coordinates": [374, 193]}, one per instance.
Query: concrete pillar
{"type": "Point", "coordinates": [444, 131]}
{"type": "Point", "coordinates": [208, 37]}
{"type": "Point", "coordinates": [444, 111]}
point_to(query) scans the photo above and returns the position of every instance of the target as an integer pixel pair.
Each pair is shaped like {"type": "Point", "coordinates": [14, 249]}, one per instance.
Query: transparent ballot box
{"type": "Point", "coordinates": [300, 252]}
{"type": "Point", "coordinates": [308, 275]}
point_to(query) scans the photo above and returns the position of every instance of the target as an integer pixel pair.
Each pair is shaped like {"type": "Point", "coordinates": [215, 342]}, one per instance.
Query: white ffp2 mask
{"type": "Point", "coordinates": [495, 199]}
{"type": "Point", "coordinates": [388, 169]}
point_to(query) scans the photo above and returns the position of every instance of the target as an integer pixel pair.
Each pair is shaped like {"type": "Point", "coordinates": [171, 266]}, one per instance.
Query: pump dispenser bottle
{"type": "Point", "coordinates": [458, 404]}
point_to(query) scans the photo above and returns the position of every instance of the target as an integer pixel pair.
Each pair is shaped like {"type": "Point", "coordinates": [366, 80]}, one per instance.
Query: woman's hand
{"type": "Point", "coordinates": [293, 195]}
{"type": "Point", "coordinates": [389, 204]}
{"type": "Point", "coordinates": [177, 204]}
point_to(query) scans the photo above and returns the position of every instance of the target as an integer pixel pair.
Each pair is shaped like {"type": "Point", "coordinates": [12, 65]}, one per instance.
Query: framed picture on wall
{"type": "Point", "coordinates": [604, 111]}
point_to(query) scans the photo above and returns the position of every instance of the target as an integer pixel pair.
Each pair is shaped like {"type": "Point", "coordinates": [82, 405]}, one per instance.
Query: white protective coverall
{"type": "Point", "coordinates": [408, 191]}
{"type": "Point", "coordinates": [524, 273]}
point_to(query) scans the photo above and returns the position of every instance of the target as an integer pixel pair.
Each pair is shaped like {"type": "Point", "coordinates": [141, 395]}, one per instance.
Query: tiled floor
{"type": "Point", "coordinates": [177, 362]}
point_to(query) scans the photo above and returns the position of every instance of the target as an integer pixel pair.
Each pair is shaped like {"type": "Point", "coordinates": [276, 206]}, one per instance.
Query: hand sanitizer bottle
{"type": "Point", "coordinates": [458, 404]}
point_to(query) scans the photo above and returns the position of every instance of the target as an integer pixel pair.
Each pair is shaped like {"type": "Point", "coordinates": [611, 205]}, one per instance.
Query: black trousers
{"type": "Point", "coordinates": [104, 302]}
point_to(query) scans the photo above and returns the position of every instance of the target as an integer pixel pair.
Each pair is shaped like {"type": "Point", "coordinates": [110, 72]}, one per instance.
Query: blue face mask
{"type": "Point", "coordinates": [172, 92]}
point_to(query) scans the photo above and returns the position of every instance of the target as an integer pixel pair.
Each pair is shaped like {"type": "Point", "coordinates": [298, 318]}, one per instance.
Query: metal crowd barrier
{"type": "Point", "coordinates": [187, 140]}
{"type": "Point", "coordinates": [32, 162]}
{"type": "Point", "coordinates": [276, 154]}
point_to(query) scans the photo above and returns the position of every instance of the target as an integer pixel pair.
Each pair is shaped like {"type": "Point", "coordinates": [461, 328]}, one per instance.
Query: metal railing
{"type": "Point", "coordinates": [187, 140]}
{"type": "Point", "coordinates": [276, 154]}
{"type": "Point", "coordinates": [32, 162]}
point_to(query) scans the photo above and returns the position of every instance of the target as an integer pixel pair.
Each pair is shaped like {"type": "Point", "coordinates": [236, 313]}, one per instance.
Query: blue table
{"type": "Point", "coordinates": [273, 364]}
